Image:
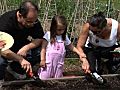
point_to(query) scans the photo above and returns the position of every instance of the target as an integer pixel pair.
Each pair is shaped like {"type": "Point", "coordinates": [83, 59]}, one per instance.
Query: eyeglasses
{"type": "Point", "coordinates": [98, 32]}
{"type": "Point", "coordinates": [30, 22]}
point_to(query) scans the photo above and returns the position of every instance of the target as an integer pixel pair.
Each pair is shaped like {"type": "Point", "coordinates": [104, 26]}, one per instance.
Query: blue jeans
{"type": "Point", "coordinates": [33, 57]}
{"type": "Point", "coordinates": [3, 65]}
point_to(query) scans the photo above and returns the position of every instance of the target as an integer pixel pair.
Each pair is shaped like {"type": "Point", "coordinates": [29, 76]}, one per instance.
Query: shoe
{"type": "Point", "coordinates": [16, 75]}
{"type": "Point", "coordinates": [97, 78]}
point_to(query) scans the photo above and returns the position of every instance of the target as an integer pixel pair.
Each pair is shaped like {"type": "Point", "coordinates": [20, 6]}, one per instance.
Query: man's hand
{"type": "Point", "coordinates": [26, 65]}
{"type": "Point", "coordinates": [22, 52]}
{"type": "Point", "coordinates": [13, 56]}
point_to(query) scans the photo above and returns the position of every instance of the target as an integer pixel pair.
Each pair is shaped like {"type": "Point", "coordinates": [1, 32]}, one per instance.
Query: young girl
{"type": "Point", "coordinates": [53, 49]}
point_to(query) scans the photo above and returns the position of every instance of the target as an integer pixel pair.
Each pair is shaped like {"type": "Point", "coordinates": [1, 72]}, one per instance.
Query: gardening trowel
{"type": "Point", "coordinates": [38, 81]}
{"type": "Point", "coordinates": [96, 78]}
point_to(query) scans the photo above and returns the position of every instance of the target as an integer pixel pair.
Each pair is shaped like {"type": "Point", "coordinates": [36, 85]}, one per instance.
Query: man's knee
{"type": "Point", "coordinates": [34, 56]}
{"type": "Point", "coordinates": [3, 62]}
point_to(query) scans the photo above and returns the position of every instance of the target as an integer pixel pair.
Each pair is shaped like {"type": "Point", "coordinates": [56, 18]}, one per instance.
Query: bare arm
{"type": "Point", "coordinates": [74, 49]}
{"type": "Point", "coordinates": [81, 43]}
{"type": "Point", "coordinates": [35, 43]}
{"type": "Point", "coordinates": [13, 56]}
{"type": "Point", "coordinates": [17, 57]}
{"type": "Point", "coordinates": [118, 37]}
{"type": "Point", "coordinates": [43, 53]}
{"type": "Point", "coordinates": [82, 39]}
{"type": "Point", "coordinates": [43, 50]}
{"type": "Point", "coordinates": [118, 34]}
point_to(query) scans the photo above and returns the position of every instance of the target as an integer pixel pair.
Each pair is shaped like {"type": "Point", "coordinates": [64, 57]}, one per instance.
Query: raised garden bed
{"type": "Point", "coordinates": [73, 80]}
{"type": "Point", "coordinates": [65, 83]}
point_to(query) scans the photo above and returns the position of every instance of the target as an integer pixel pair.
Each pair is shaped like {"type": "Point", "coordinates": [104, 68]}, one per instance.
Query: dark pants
{"type": "Point", "coordinates": [94, 55]}
{"type": "Point", "coordinates": [33, 57]}
{"type": "Point", "coordinates": [3, 65]}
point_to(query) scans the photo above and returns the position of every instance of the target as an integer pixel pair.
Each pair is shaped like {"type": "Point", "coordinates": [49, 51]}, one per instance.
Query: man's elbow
{"type": "Point", "coordinates": [38, 42]}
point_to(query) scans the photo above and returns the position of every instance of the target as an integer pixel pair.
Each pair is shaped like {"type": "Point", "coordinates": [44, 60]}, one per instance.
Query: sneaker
{"type": "Point", "coordinates": [16, 75]}
{"type": "Point", "coordinates": [97, 78]}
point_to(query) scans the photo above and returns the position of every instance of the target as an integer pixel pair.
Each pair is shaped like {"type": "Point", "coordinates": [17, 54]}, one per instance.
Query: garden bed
{"type": "Point", "coordinates": [65, 83]}
{"type": "Point", "coordinates": [73, 80]}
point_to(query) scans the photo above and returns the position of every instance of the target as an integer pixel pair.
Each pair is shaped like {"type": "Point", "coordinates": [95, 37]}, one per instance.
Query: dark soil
{"type": "Point", "coordinates": [73, 80]}
{"type": "Point", "coordinates": [68, 83]}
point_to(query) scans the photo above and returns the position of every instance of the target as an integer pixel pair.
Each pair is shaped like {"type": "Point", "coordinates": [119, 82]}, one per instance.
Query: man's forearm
{"type": "Point", "coordinates": [35, 43]}
{"type": "Point", "coordinates": [11, 55]}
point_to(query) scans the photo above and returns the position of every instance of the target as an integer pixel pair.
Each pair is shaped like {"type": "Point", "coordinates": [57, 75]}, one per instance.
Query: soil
{"type": "Point", "coordinates": [68, 83]}
{"type": "Point", "coordinates": [73, 80]}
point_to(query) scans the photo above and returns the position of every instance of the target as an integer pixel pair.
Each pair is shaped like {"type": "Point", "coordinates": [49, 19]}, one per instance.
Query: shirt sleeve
{"type": "Point", "coordinates": [4, 23]}
{"type": "Point", "coordinates": [67, 41]}
{"type": "Point", "coordinates": [47, 36]}
{"type": "Point", "coordinates": [37, 31]}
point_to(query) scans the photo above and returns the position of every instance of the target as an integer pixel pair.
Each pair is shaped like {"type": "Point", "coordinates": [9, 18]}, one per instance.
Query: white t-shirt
{"type": "Point", "coordinates": [58, 38]}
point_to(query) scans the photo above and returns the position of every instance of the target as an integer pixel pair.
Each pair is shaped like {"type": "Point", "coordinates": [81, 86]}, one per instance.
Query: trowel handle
{"type": "Point", "coordinates": [31, 74]}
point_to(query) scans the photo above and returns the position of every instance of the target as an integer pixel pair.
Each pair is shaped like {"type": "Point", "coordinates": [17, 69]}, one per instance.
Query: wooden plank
{"type": "Point", "coordinates": [17, 82]}
{"type": "Point", "coordinates": [65, 83]}
{"type": "Point", "coordinates": [50, 80]}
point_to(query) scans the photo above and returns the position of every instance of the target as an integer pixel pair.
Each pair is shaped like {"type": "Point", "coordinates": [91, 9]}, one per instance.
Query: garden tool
{"type": "Point", "coordinates": [38, 81]}
{"type": "Point", "coordinates": [96, 78]}
{"type": "Point", "coordinates": [35, 80]}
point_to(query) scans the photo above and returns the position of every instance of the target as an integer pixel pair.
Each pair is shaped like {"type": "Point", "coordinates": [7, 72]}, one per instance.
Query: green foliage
{"type": "Point", "coordinates": [72, 61]}
{"type": "Point", "coordinates": [65, 7]}
{"type": "Point", "coordinates": [109, 7]}
{"type": "Point", "coordinates": [13, 2]}
{"type": "Point", "coordinates": [101, 5]}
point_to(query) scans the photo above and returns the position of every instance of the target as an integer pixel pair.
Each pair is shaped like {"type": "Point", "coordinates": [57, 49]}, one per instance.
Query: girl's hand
{"type": "Point", "coordinates": [42, 63]}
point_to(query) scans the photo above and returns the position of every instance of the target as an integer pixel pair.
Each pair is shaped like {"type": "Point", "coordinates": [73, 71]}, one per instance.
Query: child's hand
{"type": "Point", "coordinates": [42, 63]}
